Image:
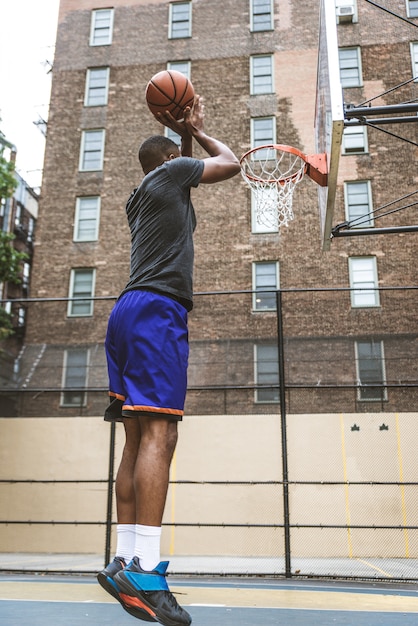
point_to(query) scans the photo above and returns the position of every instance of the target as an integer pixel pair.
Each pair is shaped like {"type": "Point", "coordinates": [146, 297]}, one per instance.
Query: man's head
{"type": "Point", "coordinates": [155, 151]}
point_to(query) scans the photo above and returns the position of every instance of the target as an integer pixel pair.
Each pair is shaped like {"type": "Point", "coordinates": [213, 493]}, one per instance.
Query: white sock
{"type": "Point", "coordinates": [147, 546]}
{"type": "Point", "coordinates": [125, 546]}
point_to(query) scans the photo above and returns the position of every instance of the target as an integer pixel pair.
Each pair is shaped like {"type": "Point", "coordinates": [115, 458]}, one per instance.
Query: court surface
{"type": "Point", "coordinates": [35, 600]}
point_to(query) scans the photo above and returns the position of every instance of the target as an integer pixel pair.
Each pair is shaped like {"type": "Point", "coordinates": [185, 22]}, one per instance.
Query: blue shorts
{"type": "Point", "coordinates": [147, 353]}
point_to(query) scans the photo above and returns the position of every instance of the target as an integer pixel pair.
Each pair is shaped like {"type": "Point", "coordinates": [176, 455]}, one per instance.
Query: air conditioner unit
{"type": "Point", "coordinates": [345, 13]}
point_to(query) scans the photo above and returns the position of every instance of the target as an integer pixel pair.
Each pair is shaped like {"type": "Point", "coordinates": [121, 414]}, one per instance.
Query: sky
{"type": "Point", "coordinates": [28, 32]}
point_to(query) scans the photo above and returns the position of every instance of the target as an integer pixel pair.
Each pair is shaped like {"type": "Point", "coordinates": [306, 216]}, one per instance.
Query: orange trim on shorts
{"type": "Point", "coordinates": [152, 409]}
{"type": "Point", "coordinates": [112, 394]}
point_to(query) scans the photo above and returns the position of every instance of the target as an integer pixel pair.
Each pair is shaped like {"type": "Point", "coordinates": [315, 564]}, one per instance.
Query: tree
{"type": "Point", "coordinates": [10, 259]}
{"type": "Point", "coordinates": [10, 270]}
{"type": "Point", "coordinates": [8, 182]}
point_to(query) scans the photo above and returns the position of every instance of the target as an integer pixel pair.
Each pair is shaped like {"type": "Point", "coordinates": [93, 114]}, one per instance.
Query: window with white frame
{"type": "Point", "coordinates": [265, 285]}
{"type": "Point", "coordinates": [92, 150]}
{"type": "Point", "coordinates": [355, 140]}
{"type": "Point", "coordinates": [261, 74]}
{"type": "Point", "coordinates": [358, 204]}
{"type": "Point", "coordinates": [75, 377]}
{"type": "Point", "coordinates": [261, 12]}
{"type": "Point", "coordinates": [350, 67]}
{"type": "Point", "coordinates": [101, 27]}
{"type": "Point", "coordinates": [412, 8]}
{"type": "Point", "coordinates": [21, 316]}
{"type": "Point", "coordinates": [371, 374]}
{"type": "Point", "coordinates": [180, 20]}
{"type": "Point", "coordinates": [82, 283]}
{"type": "Point", "coordinates": [25, 276]}
{"type": "Point", "coordinates": [185, 68]}
{"type": "Point", "coordinates": [414, 59]}
{"type": "Point", "coordinates": [87, 218]}
{"type": "Point", "coordinates": [263, 131]}
{"type": "Point", "coordinates": [363, 281]}
{"type": "Point", "coordinates": [97, 86]}
{"type": "Point", "coordinates": [268, 197]}
{"type": "Point", "coordinates": [266, 372]}
{"type": "Point", "coordinates": [346, 11]}
{"type": "Point", "coordinates": [31, 229]}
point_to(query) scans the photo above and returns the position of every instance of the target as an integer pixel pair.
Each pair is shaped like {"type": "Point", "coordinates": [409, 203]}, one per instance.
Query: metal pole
{"type": "Point", "coordinates": [110, 493]}
{"type": "Point", "coordinates": [282, 396]}
{"type": "Point", "coordinates": [353, 111]}
{"type": "Point", "coordinates": [381, 120]}
{"type": "Point", "coordinates": [357, 232]}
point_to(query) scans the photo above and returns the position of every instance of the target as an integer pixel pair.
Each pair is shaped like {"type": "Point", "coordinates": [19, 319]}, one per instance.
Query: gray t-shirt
{"type": "Point", "coordinates": [161, 219]}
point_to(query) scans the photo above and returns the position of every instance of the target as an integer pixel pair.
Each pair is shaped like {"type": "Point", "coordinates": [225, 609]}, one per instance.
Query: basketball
{"type": "Point", "coordinates": [169, 90]}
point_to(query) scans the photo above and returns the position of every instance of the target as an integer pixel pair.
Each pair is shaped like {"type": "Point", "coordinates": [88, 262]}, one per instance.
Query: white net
{"type": "Point", "coordinates": [272, 174]}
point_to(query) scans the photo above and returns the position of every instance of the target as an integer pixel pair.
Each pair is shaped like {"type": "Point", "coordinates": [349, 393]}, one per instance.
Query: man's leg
{"type": "Point", "coordinates": [152, 470]}
{"type": "Point", "coordinates": [139, 586]}
{"type": "Point", "coordinates": [125, 504]}
{"type": "Point", "coordinates": [124, 484]}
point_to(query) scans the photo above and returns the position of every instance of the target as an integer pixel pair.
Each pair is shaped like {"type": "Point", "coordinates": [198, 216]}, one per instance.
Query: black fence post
{"type": "Point", "coordinates": [110, 493]}
{"type": "Point", "coordinates": [282, 397]}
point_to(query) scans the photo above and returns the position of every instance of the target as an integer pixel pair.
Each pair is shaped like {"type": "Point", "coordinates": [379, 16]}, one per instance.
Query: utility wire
{"type": "Point", "coordinates": [406, 82]}
{"type": "Point", "coordinates": [388, 132]}
{"type": "Point", "coordinates": [364, 219]}
{"type": "Point", "coordinates": [378, 6]}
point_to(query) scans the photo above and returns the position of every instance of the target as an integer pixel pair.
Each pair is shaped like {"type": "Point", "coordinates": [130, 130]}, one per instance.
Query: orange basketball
{"type": "Point", "coordinates": [169, 90]}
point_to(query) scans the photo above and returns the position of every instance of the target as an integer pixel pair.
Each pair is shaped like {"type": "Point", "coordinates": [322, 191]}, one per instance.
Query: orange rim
{"type": "Point", "coordinates": [282, 148]}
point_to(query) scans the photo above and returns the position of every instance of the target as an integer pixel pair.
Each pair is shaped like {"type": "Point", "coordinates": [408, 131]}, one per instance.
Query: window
{"type": "Point", "coordinates": [261, 12]}
{"type": "Point", "coordinates": [21, 317]}
{"type": "Point", "coordinates": [97, 84]}
{"type": "Point", "coordinates": [25, 276]}
{"type": "Point", "coordinates": [266, 370]}
{"type": "Point", "coordinates": [101, 27]}
{"type": "Point", "coordinates": [363, 281]}
{"type": "Point", "coordinates": [87, 216]}
{"type": "Point", "coordinates": [263, 131]}
{"type": "Point", "coordinates": [370, 366]}
{"type": "Point", "coordinates": [185, 68]}
{"type": "Point", "coordinates": [265, 277]}
{"type": "Point", "coordinates": [355, 140]}
{"type": "Point", "coordinates": [74, 379]}
{"type": "Point", "coordinates": [261, 74]}
{"type": "Point", "coordinates": [18, 214]}
{"type": "Point", "coordinates": [92, 150]}
{"type": "Point", "coordinates": [82, 283]}
{"type": "Point", "coordinates": [180, 21]}
{"type": "Point", "coordinates": [31, 229]}
{"type": "Point", "coordinates": [414, 57]}
{"type": "Point", "coordinates": [412, 8]}
{"type": "Point", "coordinates": [268, 199]}
{"type": "Point", "coordinates": [358, 205]}
{"type": "Point", "coordinates": [350, 67]}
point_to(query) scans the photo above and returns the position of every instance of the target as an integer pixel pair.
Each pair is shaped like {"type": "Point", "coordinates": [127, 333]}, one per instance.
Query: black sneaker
{"type": "Point", "coordinates": [149, 591]}
{"type": "Point", "coordinates": [105, 578]}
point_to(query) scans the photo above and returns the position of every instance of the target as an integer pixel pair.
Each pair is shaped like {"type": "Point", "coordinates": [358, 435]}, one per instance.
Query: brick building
{"type": "Point", "coordinates": [255, 63]}
{"type": "Point", "coordinates": [18, 215]}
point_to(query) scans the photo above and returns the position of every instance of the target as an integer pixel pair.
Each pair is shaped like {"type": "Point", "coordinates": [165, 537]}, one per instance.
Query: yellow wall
{"type": "Point", "coordinates": [321, 448]}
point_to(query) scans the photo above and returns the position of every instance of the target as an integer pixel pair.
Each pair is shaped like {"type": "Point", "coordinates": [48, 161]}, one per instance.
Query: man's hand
{"type": "Point", "coordinates": [178, 126]}
{"type": "Point", "coordinates": [194, 118]}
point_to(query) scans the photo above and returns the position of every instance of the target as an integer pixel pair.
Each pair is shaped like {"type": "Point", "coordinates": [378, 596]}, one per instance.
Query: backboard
{"type": "Point", "coordinates": [329, 114]}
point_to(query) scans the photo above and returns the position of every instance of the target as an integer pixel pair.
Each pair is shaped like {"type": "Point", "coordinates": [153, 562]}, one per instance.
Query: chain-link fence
{"type": "Point", "coordinates": [297, 452]}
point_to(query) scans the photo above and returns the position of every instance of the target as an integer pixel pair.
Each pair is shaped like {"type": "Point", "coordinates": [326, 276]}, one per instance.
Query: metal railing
{"type": "Point", "coordinates": [316, 387]}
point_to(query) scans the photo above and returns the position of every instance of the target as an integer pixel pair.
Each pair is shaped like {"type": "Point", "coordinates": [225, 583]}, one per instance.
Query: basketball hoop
{"type": "Point", "coordinates": [272, 173]}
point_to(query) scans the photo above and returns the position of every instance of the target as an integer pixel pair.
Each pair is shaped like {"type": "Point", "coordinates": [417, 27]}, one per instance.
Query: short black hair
{"type": "Point", "coordinates": [152, 151]}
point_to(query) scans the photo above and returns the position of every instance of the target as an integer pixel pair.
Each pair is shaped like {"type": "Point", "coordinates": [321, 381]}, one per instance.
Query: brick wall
{"type": "Point", "coordinates": [219, 51]}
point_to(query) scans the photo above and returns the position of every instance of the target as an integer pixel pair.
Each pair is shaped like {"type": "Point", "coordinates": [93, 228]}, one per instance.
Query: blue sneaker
{"type": "Point", "coordinates": [149, 591]}
{"type": "Point", "coordinates": [106, 580]}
